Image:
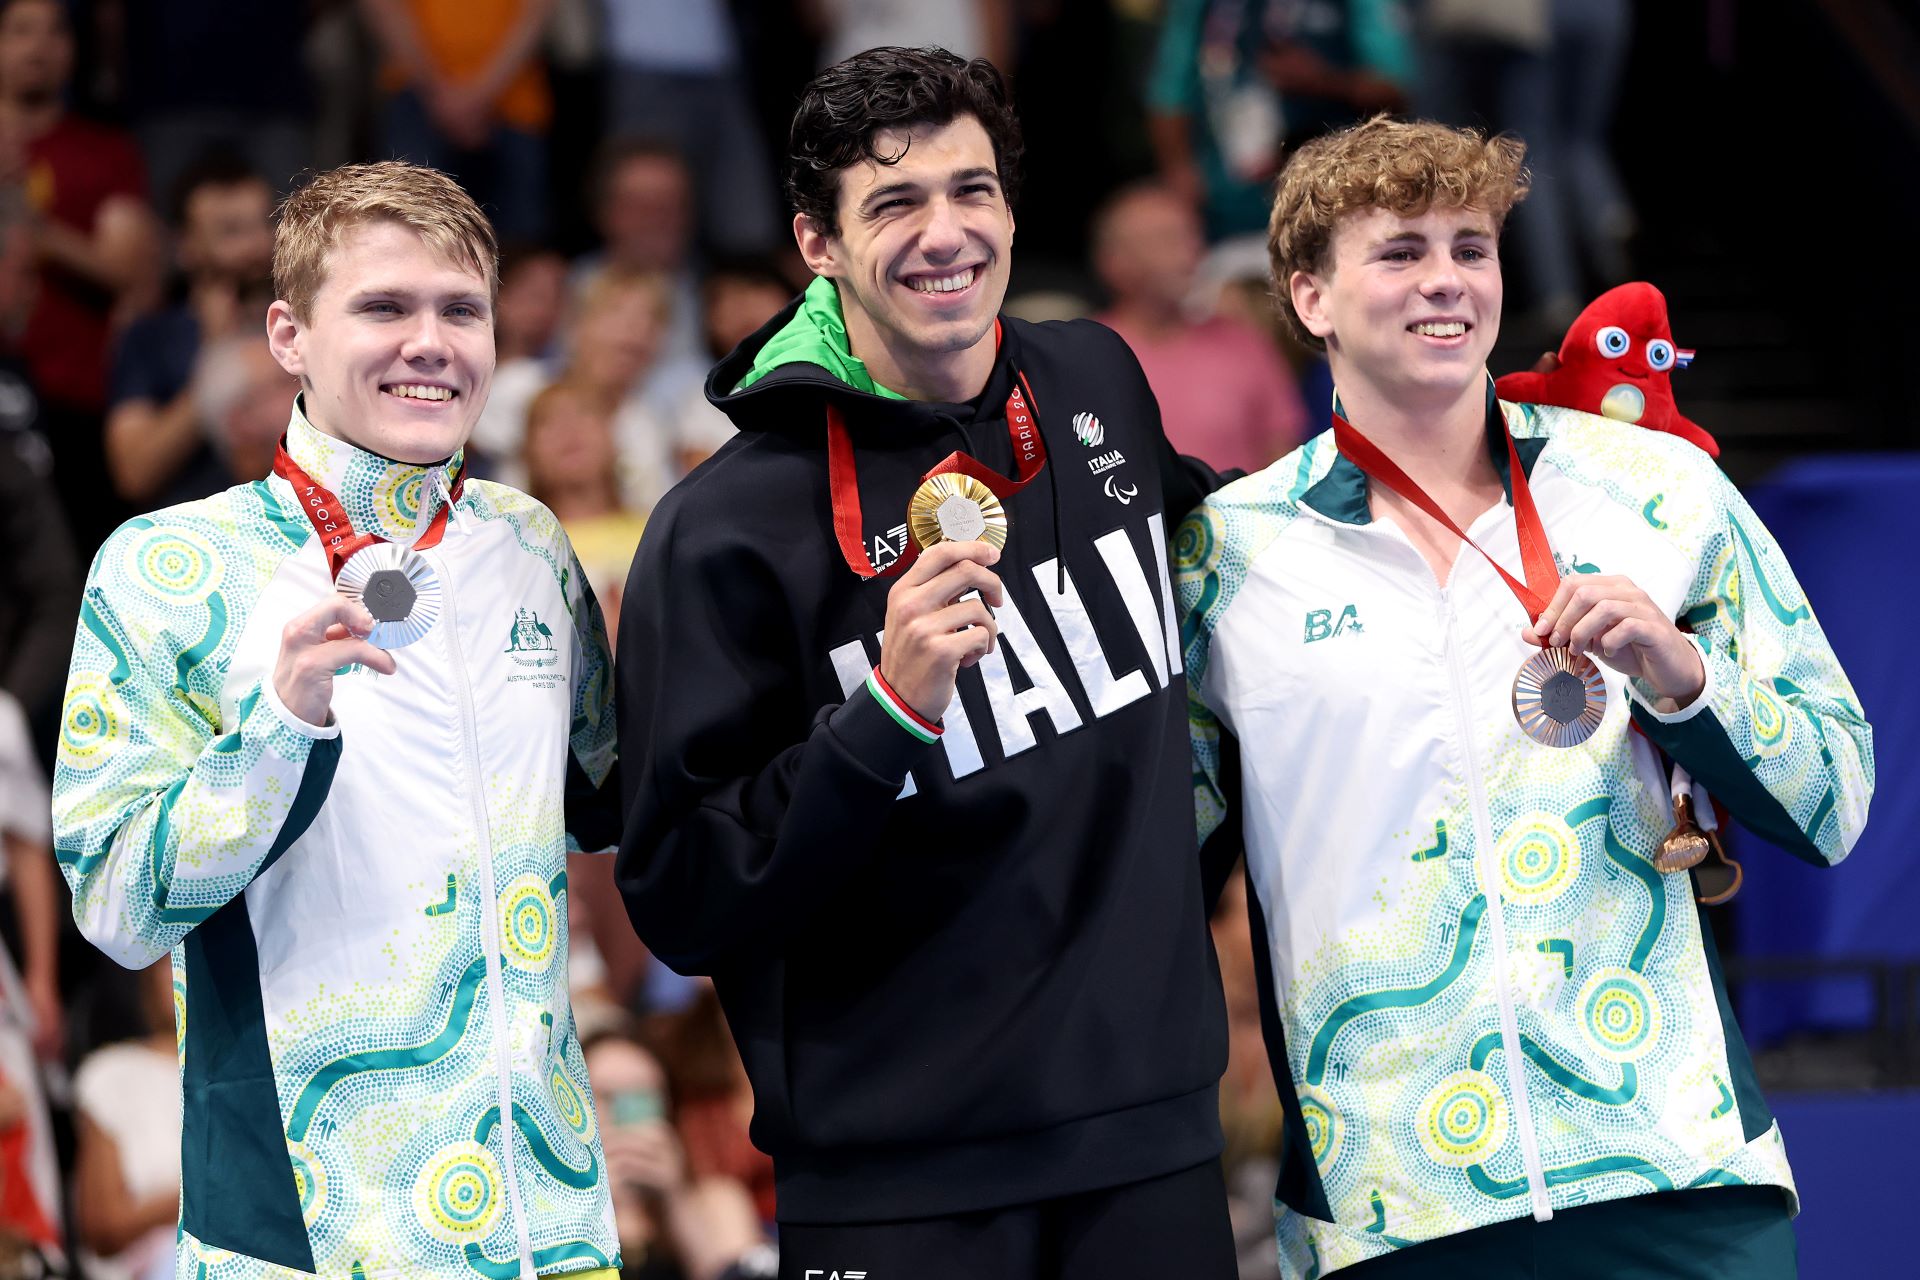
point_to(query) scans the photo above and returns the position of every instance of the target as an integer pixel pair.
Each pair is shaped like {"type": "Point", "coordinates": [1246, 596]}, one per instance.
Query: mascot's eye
{"type": "Point", "coordinates": [1660, 354]}
{"type": "Point", "coordinates": [1612, 341]}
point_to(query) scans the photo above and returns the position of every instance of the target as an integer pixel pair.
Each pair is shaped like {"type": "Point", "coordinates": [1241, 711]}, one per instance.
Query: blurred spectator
{"type": "Point", "coordinates": [1236, 279]}
{"type": "Point", "coordinates": [244, 401]}
{"type": "Point", "coordinates": [30, 989]}
{"type": "Point", "coordinates": [1550, 71]}
{"type": "Point", "coordinates": [468, 95]}
{"type": "Point", "coordinates": [533, 298]}
{"type": "Point", "coordinates": [714, 1100]}
{"type": "Point", "coordinates": [254, 106]}
{"type": "Point", "coordinates": [672, 1223]}
{"type": "Point", "coordinates": [526, 329]}
{"type": "Point", "coordinates": [126, 1184]}
{"type": "Point", "coordinates": [159, 449]}
{"type": "Point", "coordinates": [1237, 84]}
{"type": "Point", "coordinates": [737, 297]}
{"type": "Point", "coordinates": [1225, 394]}
{"type": "Point", "coordinates": [572, 466]}
{"type": "Point", "coordinates": [30, 1015]}
{"type": "Point", "coordinates": [96, 244]}
{"type": "Point", "coordinates": [642, 196]}
{"type": "Point", "coordinates": [615, 351]}
{"type": "Point", "coordinates": [674, 72]}
{"type": "Point", "coordinates": [40, 576]}
{"type": "Point", "coordinates": [970, 28]}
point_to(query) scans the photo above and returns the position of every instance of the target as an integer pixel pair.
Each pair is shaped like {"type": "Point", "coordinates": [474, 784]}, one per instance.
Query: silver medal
{"type": "Point", "coordinates": [398, 587]}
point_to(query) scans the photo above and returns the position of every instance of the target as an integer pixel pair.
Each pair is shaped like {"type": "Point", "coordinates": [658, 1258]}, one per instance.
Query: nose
{"type": "Point", "coordinates": [425, 342]}
{"type": "Point", "coordinates": [942, 236]}
{"type": "Point", "coordinates": [1442, 278]}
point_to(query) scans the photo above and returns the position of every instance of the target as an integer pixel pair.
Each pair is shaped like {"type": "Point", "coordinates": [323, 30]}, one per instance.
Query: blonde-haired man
{"type": "Point", "coordinates": [1498, 1023]}
{"type": "Point", "coordinates": [273, 764]}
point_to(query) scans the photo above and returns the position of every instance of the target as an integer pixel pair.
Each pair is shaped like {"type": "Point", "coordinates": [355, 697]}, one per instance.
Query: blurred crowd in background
{"type": "Point", "coordinates": [628, 152]}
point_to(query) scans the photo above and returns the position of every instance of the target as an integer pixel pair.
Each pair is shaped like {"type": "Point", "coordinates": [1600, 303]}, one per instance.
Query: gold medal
{"type": "Point", "coordinates": [1559, 697]}
{"type": "Point", "coordinates": [953, 507]}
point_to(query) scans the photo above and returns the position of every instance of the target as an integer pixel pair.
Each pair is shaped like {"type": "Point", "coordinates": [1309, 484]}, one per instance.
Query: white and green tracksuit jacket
{"type": "Point", "coordinates": [1480, 997]}
{"type": "Point", "coordinates": [367, 920]}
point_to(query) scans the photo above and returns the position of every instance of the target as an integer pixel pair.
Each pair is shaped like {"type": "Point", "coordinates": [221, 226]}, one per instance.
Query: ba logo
{"type": "Point", "coordinates": [1321, 624]}
{"type": "Point", "coordinates": [529, 634]}
{"type": "Point", "coordinates": [1087, 430]}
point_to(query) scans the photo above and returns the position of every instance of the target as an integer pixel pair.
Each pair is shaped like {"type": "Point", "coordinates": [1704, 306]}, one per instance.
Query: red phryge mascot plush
{"type": "Point", "coordinates": [1616, 362]}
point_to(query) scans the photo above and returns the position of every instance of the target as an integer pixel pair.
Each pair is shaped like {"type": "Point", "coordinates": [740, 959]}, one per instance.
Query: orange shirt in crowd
{"type": "Point", "coordinates": [461, 37]}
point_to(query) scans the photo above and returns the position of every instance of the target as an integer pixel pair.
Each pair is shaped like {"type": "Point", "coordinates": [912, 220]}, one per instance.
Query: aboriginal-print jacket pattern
{"type": "Point", "coordinates": [367, 919]}
{"type": "Point", "coordinates": [1482, 999]}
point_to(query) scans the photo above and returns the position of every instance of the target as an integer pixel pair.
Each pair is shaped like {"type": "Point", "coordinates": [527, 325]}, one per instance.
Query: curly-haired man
{"type": "Point", "coordinates": [1494, 1009]}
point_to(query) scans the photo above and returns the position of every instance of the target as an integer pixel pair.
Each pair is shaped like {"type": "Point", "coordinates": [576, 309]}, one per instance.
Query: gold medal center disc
{"type": "Point", "coordinates": [1559, 697]}
{"type": "Point", "coordinates": [952, 507]}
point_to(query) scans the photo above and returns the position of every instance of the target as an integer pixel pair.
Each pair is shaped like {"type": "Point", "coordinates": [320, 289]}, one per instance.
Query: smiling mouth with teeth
{"type": "Point", "coordinates": [418, 391]}
{"type": "Point", "coordinates": [1451, 329]}
{"type": "Point", "coordinates": [943, 284]}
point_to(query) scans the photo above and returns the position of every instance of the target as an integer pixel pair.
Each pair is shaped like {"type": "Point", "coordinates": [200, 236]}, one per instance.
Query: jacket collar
{"type": "Point", "coordinates": [395, 500]}
{"type": "Point", "coordinates": [1341, 494]}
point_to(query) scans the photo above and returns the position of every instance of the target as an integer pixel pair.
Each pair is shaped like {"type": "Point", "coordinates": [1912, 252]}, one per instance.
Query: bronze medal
{"type": "Point", "coordinates": [1559, 698]}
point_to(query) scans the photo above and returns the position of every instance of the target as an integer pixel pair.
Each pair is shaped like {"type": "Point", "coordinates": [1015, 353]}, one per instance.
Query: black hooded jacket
{"type": "Point", "coordinates": [961, 975]}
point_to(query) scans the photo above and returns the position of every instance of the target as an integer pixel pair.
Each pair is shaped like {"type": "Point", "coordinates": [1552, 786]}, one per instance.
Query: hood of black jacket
{"type": "Point", "coordinates": [787, 401]}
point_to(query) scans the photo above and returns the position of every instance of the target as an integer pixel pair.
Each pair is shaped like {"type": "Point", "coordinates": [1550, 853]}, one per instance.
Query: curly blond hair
{"type": "Point", "coordinates": [311, 221]}
{"type": "Point", "coordinates": [1406, 167]}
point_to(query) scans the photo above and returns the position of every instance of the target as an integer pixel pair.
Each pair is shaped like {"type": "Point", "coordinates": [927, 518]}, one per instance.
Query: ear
{"type": "Point", "coordinates": [1308, 295]}
{"type": "Point", "coordinates": [284, 332]}
{"type": "Point", "coordinates": [816, 246]}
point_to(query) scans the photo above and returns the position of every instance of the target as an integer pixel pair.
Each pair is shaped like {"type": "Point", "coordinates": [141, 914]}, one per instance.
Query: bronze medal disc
{"type": "Point", "coordinates": [1559, 698]}
{"type": "Point", "coordinates": [952, 507]}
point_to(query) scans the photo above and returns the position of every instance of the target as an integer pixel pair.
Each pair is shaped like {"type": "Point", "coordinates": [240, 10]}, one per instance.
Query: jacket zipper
{"type": "Point", "coordinates": [489, 935]}
{"type": "Point", "coordinates": [1489, 886]}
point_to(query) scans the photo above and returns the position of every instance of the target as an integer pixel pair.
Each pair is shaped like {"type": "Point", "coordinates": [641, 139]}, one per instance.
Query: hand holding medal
{"type": "Point", "coordinates": [1559, 697]}
{"type": "Point", "coordinates": [315, 645]}
{"type": "Point", "coordinates": [939, 620]}
{"type": "Point", "coordinates": [939, 617]}
{"type": "Point", "coordinates": [1607, 617]}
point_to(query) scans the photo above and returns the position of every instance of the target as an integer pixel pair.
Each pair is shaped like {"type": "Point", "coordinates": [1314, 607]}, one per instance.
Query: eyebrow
{"type": "Point", "coordinates": [1416, 238]}
{"type": "Point", "coordinates": [904, 187]}
{"type": "Point", "coordinates": [415, 295]}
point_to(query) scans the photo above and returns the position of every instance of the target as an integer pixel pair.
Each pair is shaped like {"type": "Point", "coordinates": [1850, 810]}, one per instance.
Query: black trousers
{"type": "Point", "coordinates": [1173, 1227]}
{"type": "Point", "coordinates": [1710, 1233]}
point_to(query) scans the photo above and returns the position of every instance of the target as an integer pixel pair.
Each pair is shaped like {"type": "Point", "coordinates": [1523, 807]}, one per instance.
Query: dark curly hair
{"type": "Point", "coordinates": [849, 103]}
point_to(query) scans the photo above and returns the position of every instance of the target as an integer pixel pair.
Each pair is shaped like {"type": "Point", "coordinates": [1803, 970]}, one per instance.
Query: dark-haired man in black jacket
{"type": "Point", "coordinates": [926, 816]}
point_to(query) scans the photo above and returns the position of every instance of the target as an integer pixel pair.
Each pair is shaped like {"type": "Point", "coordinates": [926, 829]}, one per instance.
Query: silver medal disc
{"type": "Point", "coordinates": [397, 587]}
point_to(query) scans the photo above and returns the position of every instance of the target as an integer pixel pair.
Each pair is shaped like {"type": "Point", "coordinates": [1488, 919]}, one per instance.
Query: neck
{"type": "Point", "coordinates": [29, 117]}
{"type": "Point", "coordinates": [918, 374]}
{"type": "Point", "coordinates": [1440, 441]}
{"type": "Point", "coordinates": [1147, 319]}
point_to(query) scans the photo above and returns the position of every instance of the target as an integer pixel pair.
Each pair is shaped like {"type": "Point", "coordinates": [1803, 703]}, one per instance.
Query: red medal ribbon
{"type": "Point", "coordinates": [329, 518]}
{"type": "Point", "coordinates": [1536, 556]}
{"type": "Point", "coordinates": [1029, 454]}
